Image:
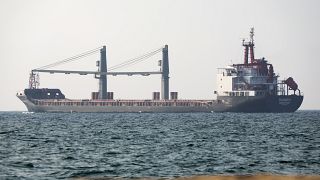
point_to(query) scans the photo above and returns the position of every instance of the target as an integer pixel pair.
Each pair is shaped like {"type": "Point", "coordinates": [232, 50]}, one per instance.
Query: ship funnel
{"type": "Point", "coordinates": [246, 51]}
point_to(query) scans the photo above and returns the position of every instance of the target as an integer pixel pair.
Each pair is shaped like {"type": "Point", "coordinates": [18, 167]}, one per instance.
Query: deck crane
{"type": "Point", "coordinates": [102, 72]}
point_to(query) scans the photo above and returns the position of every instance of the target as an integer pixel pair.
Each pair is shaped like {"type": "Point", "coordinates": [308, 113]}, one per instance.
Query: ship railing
{"type": "Point", "coordinates": [193, 103]}
{"type": "Point", "coordinates": [284, 90]}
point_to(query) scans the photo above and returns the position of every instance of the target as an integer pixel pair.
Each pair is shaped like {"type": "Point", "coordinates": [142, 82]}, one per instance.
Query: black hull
{"type": "Point", "coordinates": [275, 104]}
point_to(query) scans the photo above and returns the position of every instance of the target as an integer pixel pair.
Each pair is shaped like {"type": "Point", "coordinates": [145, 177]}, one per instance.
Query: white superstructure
{"type": "Point", "coordinates": [254, 79]}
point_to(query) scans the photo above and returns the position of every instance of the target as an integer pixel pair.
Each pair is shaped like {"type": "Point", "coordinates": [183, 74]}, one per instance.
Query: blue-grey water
{"type": "Point", "coordinates": [54, 145]}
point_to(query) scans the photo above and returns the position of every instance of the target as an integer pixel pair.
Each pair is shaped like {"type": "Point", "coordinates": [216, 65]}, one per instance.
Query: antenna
{"type": "Point", "coordinates": [251, 34]}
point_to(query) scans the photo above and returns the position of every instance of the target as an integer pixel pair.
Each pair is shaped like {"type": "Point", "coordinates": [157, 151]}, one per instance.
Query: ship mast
{"type": "Point", "coordinates": [34, 80]}
{"type": "Point", "coordinates": [103, 77]}
{"type": "Point", "coordinates": [165, 74]}
{"type": "Point", "coordinates": [249, 48]}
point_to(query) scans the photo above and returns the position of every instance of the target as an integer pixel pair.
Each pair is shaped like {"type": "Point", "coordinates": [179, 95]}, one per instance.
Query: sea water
{"type": "Point", "coordinates": [68, 145]}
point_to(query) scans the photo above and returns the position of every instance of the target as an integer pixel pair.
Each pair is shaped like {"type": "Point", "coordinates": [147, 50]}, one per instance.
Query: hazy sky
{"type": "Point", "coordinates": [202, 35]}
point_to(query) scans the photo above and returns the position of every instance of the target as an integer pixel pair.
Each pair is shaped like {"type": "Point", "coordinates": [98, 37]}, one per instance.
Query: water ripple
{"type": "Point", "coordinates": [62, 145]}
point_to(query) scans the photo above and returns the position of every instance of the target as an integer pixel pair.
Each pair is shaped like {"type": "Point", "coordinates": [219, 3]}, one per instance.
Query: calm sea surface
{"type": "Point", "coordinates": [54, 145]}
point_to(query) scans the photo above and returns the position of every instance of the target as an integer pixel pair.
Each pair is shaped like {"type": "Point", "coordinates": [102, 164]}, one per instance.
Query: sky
{"type": "Point", "coordinates": [202, 35]}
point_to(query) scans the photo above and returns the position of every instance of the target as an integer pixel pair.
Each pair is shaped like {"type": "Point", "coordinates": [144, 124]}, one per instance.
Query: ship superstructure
{"type": "Point", "coordinates": [254, 78]}
{"type": "Point", "coordinates": [248, 87]}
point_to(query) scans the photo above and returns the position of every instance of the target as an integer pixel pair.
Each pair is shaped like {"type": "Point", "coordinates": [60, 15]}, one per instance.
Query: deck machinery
{"type": "Point", "coordinates": [102, 73]}
{"type": "Point", "coordinates": [248, 87]}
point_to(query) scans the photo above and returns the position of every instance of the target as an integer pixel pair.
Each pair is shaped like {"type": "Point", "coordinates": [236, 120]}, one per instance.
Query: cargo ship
{"type": "Point", "coordinates": [251, 86]}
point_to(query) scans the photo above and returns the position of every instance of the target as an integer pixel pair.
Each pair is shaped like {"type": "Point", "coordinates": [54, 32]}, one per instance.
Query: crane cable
{"type": "Point", "coordinates": [73, 58]}
{"type": "Point", "coordinates": [93, 51]}
{"type": "Point", "coordinates": [135, 60]}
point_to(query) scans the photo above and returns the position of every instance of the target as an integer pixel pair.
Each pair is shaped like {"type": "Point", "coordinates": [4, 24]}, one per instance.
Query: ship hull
{"type": "Point", "coordinates": [285, 103]}
{"type": "Point", "coordinates": [247, 104]}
